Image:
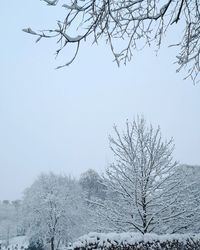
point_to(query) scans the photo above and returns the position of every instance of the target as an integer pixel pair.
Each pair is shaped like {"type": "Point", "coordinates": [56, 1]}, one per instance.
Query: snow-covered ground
{"type": "Point", "coordinates": [16, 243]}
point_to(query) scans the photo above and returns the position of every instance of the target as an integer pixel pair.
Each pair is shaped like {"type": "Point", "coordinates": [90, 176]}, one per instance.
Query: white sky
{"type": "Point", "coordinates": [60, 120]}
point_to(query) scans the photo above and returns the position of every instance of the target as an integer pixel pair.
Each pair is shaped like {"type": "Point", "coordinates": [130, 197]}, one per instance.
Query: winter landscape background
{"type": "Point", "coordinates": [69, 164]}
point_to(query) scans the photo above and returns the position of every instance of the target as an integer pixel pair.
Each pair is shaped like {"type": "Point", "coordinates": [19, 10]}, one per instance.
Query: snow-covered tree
{"type": "Point", "coordinates": [189, 199]}
{"type": "Point", "coordinates": [10, 213]}
{"type": "Point", "coordinates": [127, 25]}
{"type": "Point", "coordinates": [54, 210]}
{"type": "Point", "coordinates": [92, 183]}
{"type": "Point", "coordinates": [141, 181]}
{"type": "Point", "coordinates": [94, 193]}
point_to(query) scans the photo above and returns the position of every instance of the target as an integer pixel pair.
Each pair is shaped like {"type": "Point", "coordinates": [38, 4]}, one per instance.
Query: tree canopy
{"type": "Point", "coordinates": [53, 210]}
{"type": "Point", "coordinates": [142, 181]}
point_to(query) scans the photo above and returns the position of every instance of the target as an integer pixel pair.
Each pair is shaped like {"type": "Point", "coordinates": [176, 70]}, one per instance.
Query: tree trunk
{"type": "Point", "coordinates": [52, 243]}
{"type": "Point", "coordinates": [144, 214]}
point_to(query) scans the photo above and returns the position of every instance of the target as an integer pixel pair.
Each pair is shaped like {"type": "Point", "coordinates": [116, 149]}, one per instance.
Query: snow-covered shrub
{"type": "Point", "coordinates": [35, 246]}
{"type": "Point", "coordinates": [137, 241]}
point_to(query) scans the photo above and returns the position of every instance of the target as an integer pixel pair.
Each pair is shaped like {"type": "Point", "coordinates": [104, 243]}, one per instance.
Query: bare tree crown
{"type": "Point", "coordinates": [142, 177]}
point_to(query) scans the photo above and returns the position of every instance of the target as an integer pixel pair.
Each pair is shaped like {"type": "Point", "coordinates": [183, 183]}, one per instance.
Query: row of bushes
{"type": "Point", "coordinates": [135, 241]}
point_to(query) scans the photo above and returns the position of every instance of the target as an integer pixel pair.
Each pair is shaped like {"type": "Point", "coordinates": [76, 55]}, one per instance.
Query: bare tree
{"type": "Point", "coordinates": [141, 181]}
{"type": "Point", "coordinates": [133, 22]}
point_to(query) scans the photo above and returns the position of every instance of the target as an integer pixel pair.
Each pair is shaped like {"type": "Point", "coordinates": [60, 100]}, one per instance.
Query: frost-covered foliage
{"type": "Point", "coordinates": [137, 241]}
{"type": "Point", "coordinates": [142, 188]}
{"type": "Point", "coordinates": [54, 210]}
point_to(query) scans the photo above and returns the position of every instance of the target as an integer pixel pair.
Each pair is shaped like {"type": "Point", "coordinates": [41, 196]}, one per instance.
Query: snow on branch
{"type": "Point", "coordinates": [135, 23]}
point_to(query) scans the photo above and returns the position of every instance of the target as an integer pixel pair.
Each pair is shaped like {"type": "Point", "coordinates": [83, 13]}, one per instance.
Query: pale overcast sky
{"type": "Point", "coordinates": [60, 120]}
